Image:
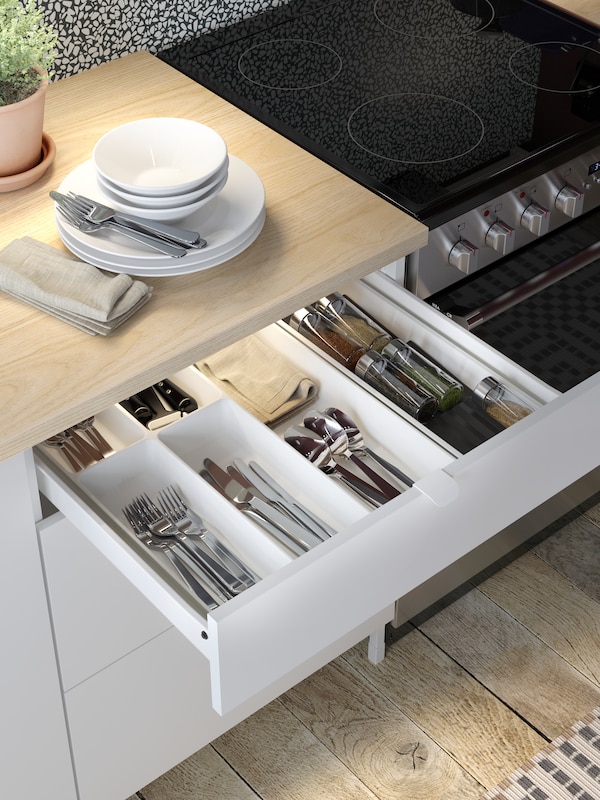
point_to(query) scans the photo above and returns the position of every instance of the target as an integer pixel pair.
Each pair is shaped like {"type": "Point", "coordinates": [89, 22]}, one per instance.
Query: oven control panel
{"type": "Point", "coordinates": [504, 224]}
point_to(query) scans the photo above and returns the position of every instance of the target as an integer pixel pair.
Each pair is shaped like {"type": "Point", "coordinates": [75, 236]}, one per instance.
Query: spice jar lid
{"type": "Point", "coordinates": [365, 361]}
{"type": "Point", "coordinates": [334, 301]}
{"type": "Point", "coordinates": [483, 388]}
{"type": "Point", "coordinates": [393, 347]}
{"type": "Point", "coordinates": [298, 317]}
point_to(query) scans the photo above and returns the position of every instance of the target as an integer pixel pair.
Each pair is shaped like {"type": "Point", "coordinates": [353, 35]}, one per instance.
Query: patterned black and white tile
{"type": "Point", "coordinates": [92, 32]}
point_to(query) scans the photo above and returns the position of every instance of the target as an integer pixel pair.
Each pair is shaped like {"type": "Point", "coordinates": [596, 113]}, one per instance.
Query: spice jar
{"type": "Point", "coordinates": [353, 320]}
{"type": "Point", "coordinates": [500, 402]}
{"type": "Point", "coordinates": [447, 391]}
{"type": "Point", "coordinates": [393, 383]}
{"type": "Point", "coordinates": [328, 336]}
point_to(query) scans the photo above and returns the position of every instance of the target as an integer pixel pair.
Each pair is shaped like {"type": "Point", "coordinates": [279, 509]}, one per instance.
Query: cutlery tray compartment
{"type": "Point", "coordinates": [306, 610]}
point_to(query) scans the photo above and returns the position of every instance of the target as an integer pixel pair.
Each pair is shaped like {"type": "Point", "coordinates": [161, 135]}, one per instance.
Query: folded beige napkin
{"type": "Point", "coordinates": [259, 378]}
{"type": "Point", "coordinates": [67, 288]}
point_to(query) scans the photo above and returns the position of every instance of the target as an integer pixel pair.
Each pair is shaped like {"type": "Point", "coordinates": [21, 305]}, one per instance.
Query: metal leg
{"type": "Point", "coordinates": [376, 646]}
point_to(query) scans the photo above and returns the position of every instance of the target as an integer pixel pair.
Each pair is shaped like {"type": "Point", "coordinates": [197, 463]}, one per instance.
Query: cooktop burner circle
{"type": "Point", "coordinates": [439, 19]}
{"type": "Point", "coordinates": [289, 64]}
{"type": "Point", "coordinates": [555, 64]}
{"type": "Point", "coordinates": [391, 127]}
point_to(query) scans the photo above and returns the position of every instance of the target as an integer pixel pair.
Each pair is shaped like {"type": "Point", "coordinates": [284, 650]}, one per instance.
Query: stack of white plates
{"type": "Point", "coordinates": [169, 170]}
{"type": "Point", "coordinates": [229, 222]}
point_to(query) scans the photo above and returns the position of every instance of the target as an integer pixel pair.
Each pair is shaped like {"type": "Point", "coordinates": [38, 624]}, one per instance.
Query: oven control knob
{"type": "Point", "coordinates": [463, 256]}
{"type": "Point", "coordinates": [536, 219]}
{"type": "Point", "coordinates": [500, 237]}
{"type": "Point", "coordinates": [570, 201]}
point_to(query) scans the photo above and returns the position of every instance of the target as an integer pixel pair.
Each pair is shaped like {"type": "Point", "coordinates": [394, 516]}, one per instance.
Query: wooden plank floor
{"type": "Point", "coordinates": [467, 692]}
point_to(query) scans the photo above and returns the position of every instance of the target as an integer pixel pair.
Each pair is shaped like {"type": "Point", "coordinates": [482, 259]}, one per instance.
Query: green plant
{"type": "Point", "coordinates": [26, 49]}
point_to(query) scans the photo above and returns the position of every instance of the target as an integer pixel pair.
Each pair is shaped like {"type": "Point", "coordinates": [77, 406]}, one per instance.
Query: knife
{"type": "Point", "coordinates": [274, 492]}
{"type": "Point", "coordinates": [252, 506]}
{"type": "Point", "coordinates": [302, 534]}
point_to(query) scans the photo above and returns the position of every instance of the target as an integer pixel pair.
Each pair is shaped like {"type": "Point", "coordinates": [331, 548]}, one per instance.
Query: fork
{"type": "Point", "coordinates": [168, 548]}
{"type": "Point", "coordinates": [98, 212]}
{"type": "Point", "coordinates": [160, 525]}
{"type": "Point", "coordinates": [78, 220]}
{"type": "Point", "coordinates": [189, 522]}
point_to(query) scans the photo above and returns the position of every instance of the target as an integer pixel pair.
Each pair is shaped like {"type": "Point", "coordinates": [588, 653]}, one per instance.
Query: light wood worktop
{"type": "Point", "coordinates": [589, 9]}
{"type": "Point", "coordinates": [322, 229]}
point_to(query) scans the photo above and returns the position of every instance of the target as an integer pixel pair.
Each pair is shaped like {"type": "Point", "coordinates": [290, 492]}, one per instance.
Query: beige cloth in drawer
{"type": "Point", "coordinates": [67, 288]}
{"type": "Point", "coordinates": [259, 378]}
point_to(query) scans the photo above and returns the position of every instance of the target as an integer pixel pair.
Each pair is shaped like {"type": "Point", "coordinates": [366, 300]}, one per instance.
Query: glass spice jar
{"type": "Point", "coordinates": [500, 402]}
{"type": "Point", "coordinates": [447, 391]}
{"type": "Point", "coordinates": [349, 317]}
{"type": "Point", "coordinates": [389, 379]}
{"type": "Point", "coordinates": [328, 336]}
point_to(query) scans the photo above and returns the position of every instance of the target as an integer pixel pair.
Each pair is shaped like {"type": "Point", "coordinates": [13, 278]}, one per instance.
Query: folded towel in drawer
{"type": "Point", "coordinates": [259, 378]}
{"type": "Point", "coordinates": [67, 288]}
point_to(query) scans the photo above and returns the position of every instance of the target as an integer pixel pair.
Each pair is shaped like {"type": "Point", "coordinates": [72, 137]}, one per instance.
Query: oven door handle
{"type": "Point", "coordinates": [477, 316]}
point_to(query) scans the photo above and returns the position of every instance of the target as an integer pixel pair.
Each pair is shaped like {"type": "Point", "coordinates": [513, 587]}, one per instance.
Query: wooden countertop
{"type": "Point", "coordinates": [322, 230]}
{"type": "Point", "coordinates": [589, 9]}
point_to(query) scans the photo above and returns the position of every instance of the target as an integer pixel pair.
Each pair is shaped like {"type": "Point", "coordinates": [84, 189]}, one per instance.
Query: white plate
{"type": "Point", "coordinates": [176, 266]}
{"type": "Point", "coordinates": [228, 219]}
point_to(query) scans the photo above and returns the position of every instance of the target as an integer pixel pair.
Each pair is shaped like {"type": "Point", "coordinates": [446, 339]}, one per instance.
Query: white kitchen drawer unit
{"type": "Point", "coordinates": [306, 610]}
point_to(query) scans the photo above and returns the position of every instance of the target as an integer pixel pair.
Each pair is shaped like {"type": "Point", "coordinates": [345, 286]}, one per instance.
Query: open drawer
{"type": "Point", "coordinates": [307, 609]}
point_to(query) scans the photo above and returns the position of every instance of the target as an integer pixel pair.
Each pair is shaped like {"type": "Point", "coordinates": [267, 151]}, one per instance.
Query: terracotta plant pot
{"type": "Point", "coordinates": [21, 129]}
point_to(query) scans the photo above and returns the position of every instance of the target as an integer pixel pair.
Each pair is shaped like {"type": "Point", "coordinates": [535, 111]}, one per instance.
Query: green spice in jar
{"type": "Point", "coordinates": [447, 391]}
{"type": "Point", "coordinates": [401, 389]}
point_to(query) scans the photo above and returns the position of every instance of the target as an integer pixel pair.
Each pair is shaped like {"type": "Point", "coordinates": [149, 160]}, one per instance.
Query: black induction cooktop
{"type": "Point", "coordinates": [423, 101]}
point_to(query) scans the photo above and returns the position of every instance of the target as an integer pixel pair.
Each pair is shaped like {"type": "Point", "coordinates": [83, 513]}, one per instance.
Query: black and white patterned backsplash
{"type": "Point", "coordinates": [93, 31]}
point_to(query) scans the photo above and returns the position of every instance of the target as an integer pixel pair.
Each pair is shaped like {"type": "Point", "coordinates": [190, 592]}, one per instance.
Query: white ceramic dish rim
{"type": "Point", "coordinates": [161, 214]}
{"type": "Point", "coordinates": [168, 201]}
{"type": "Point", "coordinates": [160, 271]}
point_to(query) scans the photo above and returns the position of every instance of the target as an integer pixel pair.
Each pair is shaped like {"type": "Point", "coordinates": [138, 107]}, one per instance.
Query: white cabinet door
{"type": "Point", "coordinates": [32, 713]}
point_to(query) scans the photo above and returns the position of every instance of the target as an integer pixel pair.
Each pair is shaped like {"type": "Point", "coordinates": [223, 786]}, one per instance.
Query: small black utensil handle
{"type": "Point", "coordinates": [138, 409]}
{"type": "Point", "coordinates": [175, 396]}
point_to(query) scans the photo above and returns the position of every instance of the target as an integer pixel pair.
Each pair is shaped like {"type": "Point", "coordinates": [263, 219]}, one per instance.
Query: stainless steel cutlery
{"type": "Point", "coordinates": [331, 440]}
{"type": "Point", "coordinates": [91, 217]}
{"type": "Point", "coordinates": [204, 563]}
{"type": "Point", "coordinates": [270, 509]}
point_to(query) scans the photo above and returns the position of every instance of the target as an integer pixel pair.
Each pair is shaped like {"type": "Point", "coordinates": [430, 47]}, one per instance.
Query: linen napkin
{"type": "Point", "coordinates": [67, 288]}
{"type": "Point", "coordinates": [259, 378]}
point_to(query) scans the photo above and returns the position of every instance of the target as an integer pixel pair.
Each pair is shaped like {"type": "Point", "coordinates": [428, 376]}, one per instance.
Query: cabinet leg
{"type": "Point", "coordinates": [376, 646]}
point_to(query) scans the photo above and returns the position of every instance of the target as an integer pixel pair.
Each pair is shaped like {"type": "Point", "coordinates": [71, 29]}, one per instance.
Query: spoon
{"type": "Point", "coordinates": [331, 431]}
{"type": "Point", "coordinates": [357, 445]}
{"type": "Point", "coordinates": [318, 452]}
{"type": "Point", "coordinates": [94, 435]}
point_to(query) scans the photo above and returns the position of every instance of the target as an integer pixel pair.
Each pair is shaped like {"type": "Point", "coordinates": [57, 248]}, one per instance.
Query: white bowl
{"type": "Point", "coordinates": [159, 156]}
{"type": "Point", "coordinates": [161, 214]}
{"type": "Point", "coordinates": [168, 201]}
